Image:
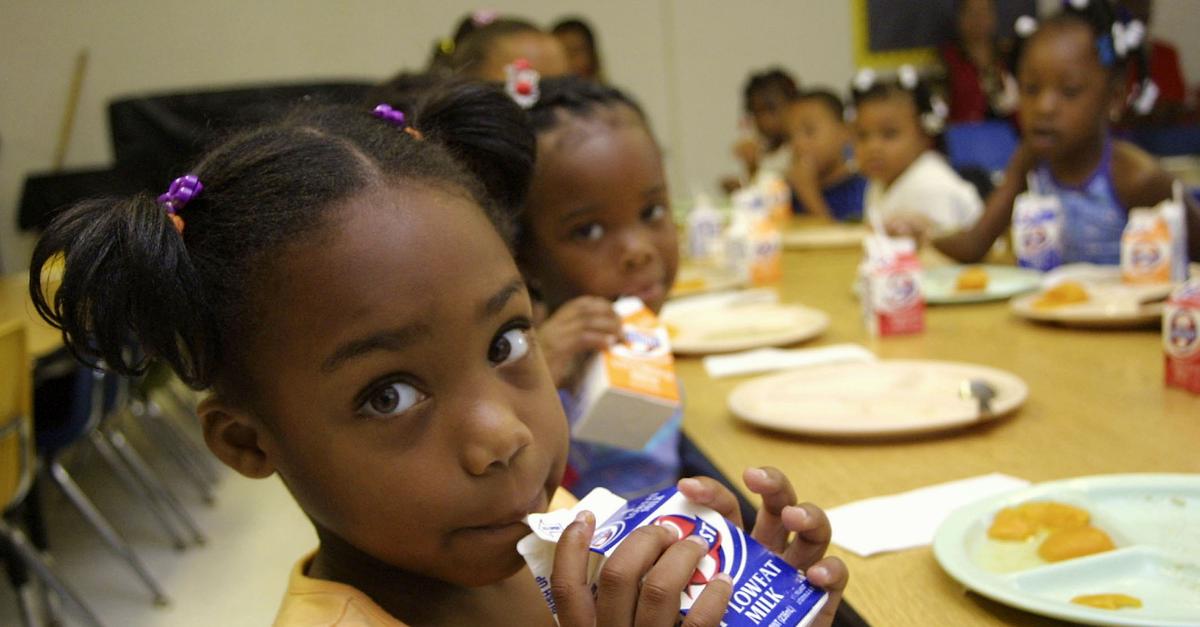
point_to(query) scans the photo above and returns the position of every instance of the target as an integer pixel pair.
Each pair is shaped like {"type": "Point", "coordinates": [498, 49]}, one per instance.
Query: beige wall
{"type": "Point", "coordinates": [684, 59]}
{"type": "Point", "coordinates": [141, 46]}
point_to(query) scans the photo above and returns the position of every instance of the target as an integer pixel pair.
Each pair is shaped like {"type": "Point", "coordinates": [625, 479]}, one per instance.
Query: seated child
{"type": "Point", "coordinates": [488, 49]}
{"type": "Point", "coordinates": [765, 99]}
{"type": "Point", "coordinates": [911, 190]}
{"type": "Point", "coordinates": [1069, 92]}
{"type": "Point", "coordinates": [342, 289]}
{"type": "Point", "coordinates": [822, 182]}
{"type": "Point", "coordinates": [597, 225]}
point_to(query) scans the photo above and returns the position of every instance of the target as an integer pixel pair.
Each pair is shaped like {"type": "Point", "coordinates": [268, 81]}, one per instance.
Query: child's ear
{"type": "Point", "coordinates": [234, 436]}
{"type": "Point", "coordinates": [1116, 99]}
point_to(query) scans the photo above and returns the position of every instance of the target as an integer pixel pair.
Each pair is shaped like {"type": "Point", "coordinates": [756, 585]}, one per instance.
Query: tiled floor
{"type": "Point", "coordinates": [255, 533]}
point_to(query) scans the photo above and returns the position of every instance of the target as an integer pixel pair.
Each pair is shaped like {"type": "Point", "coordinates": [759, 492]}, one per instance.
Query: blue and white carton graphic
{"type": "Point", "coordinates": [1037, 229]}
{"type": "Point", "coordinates": [767, 591]}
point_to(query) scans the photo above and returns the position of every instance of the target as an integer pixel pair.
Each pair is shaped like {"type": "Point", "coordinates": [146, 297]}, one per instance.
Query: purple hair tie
{"type": "Point", "coordinates": [394, 116]}
{"type": "Point", "coordinates": [179, 194]}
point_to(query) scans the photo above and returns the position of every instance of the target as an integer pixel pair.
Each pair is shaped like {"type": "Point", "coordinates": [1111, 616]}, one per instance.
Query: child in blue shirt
{"type": "Point", "coordinates": [823, 182]}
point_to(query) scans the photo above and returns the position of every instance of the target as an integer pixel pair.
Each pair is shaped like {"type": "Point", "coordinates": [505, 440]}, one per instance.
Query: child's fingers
{"type": "Point", "coordinates": [831, 575]}
{"type": "Point", "coordinates": [588, 341]}
{"type": "Point", "coordinates": [619, 579]}
{"type": "Point", "coordinates": [709, 608]}
{"type": "Point", "coordinates": [568, 583]}
{"type": "Point", "coordinates": [658, 600]}
{"type": "Point", "coordinates": [813, 533]}
{"type": "Point", "coordinates": [777, 493]}
{"type": "Point", "coordinates": [710, 493]}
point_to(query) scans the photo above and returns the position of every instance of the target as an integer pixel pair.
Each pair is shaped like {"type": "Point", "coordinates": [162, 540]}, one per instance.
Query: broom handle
{"type": "Point", "coordinates": [68, 120]}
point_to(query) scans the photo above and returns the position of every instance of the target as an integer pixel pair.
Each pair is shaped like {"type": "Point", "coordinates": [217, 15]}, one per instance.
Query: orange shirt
{"type": "Point", "coordinates": [311, 602]}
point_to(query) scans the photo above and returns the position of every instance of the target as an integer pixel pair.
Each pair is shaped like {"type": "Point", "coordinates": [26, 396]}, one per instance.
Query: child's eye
{"type": "Point", "coordinates": [589, 232]}
{"type": "Point", "coordinates": [509, 346]}
{"type": "Point", "coordinates": [1071, 91]}
{"type": "Point", "coordinates": [394, 398]}
{"type": "Point", "coordinates": [654, 213]}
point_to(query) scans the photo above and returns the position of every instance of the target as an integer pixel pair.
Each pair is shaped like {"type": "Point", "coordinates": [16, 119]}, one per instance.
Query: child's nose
{"type": "Point", "coordinates": [637, 248]}
{"type": "Point", "coordinates": [492, 435]}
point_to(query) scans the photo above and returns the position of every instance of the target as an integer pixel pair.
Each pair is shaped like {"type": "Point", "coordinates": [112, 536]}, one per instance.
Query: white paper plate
{"type": "Point", "coordinates": [823, 237]}
{"type": "Point", "coordinates": [1111, 306]}
{"type": "Point", "coordinates": [740, 325]}
{"type": "Point", "coordinates": [885, 398]}
{"type": "Point", "coordinates": [1153, 519]}
{"type": "Point", "coordinates": [1004, 282]}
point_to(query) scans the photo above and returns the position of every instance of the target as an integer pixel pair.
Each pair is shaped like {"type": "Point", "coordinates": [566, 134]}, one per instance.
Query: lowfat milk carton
{"type": "Point", "coordinates": [1181, 337]}
{"type": "Point", "coordinates": [1037, 229]}
{"type": "Point", "coordinates": [767, 591]}
{"type": "Point", "coordinates": [628, 391]}
{"type": "Point", "coordinates": [1146, 248]}
{"type": "Point", "coordinates": [890, 280]}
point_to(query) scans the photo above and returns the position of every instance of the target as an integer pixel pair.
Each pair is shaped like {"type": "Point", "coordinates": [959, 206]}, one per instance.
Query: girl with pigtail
{"type": "Point", "coordinates": [911, 189]}
{"type": "Point", "coordinates": [340, 285]}
{"type": "Point", "coordinates": [1072, 75]}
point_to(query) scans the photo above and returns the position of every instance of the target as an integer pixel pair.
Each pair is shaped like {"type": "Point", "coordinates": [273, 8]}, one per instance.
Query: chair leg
{"type": "Point", "coordinates": [33, 560]}
{"type": "Point", "coordinates": [118, 466]}
{"type": "Point", "coordinates": [75, 495]}
{"type": "Point", "coordinates": [182, 409]}
{"type": "Point", "coordinates": [152, 483]}
{"type": "Point", "coordinates": [25, 605]}
{"type": "Point", "coordinates": [160, 428]}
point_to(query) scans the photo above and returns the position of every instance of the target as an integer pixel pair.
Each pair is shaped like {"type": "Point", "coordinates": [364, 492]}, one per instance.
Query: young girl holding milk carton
{"type": "Point", "coordinates": [1079, 182]}
{"type": "Point", "coordinates": [340, 285]}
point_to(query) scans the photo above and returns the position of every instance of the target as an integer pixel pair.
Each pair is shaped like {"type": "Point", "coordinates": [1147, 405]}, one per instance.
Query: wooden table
{"type": "Point", "coordinates": [41, 339]}
{"type": "Point", "coordinates": [1097, 405]}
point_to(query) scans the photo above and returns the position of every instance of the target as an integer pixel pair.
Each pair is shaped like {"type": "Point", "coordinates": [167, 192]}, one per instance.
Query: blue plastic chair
{"type": "Point", "coordinates": [986, 145]}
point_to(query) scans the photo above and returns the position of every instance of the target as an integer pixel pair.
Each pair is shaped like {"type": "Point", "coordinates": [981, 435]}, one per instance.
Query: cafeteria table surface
{"type": "Point", "coordinates": [1097, 405]}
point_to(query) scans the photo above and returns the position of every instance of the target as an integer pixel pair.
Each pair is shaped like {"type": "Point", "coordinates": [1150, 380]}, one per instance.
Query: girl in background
{"type": "Point", "coordinates": [1072, 75]}
{"type": "Point", "coordinates": [911, 190]}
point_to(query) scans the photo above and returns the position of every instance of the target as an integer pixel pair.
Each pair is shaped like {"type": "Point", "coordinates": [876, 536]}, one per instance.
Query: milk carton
{"type": "Point", "coordinates": [760, 254]}
{"type": "Point", "coordinates": [1181, 342]}
{"type": "Point", "coordinates": [1146, 248]}
{"type": "Point", "coordinates": [777, 196]}
{"type": "Point", "coordinates": [628, 391]}
{"type": "Point", "coordinates": [766, 590]}
{"type": "Point", "coordinates": [1037, 227]}
{"type": "Point", "coordinates": [890, 284]}
{"type": "Point", "coordinates": [703, 229]}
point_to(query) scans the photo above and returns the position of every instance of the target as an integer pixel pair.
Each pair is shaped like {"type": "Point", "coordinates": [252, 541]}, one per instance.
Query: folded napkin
{"type": "Point", "coordinates": [766, 359]}
{"type": "Point", "coordinates": [909, 519]}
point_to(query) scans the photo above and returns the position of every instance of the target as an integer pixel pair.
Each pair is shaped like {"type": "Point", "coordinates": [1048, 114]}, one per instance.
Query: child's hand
{"type": "Point", "coordinates": [582, 325]}
{"type": "Point", "coordinates": [748, 152]}
{"type": "Point", "coordinates": [639, 585]}
{"type": "Point", "coordinates": [909, 224]}
{"type": "Point", "coordinates": [778, 519]}
{"type": "Point", "coordinates": [804, 177]}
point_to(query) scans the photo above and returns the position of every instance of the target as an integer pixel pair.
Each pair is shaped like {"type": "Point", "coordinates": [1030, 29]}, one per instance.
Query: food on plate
{"type": "Point", "coordinates": [1023, 521]}
{"type": "Point", "coordinates": [1066, 544]}
{"type": "Point", "coordinates": [1110, 601]}
{"type": "Point", "coordinates": [971, 279]}
{"type": "Point", "coordinates": [1065, 293]}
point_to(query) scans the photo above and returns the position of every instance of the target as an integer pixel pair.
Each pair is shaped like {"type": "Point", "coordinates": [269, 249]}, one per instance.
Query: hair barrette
{"type": "Point", "coordinates": [864, 80]}
{"type": "Point", "coordinates": [934, 120]}
{"type": "Point", "coordinates": [908, 77]}
{"type": "Point", "coordinates": [522, 83]}
{"type": "Point", "coordinates": [1078, 5]}
{"type": "Point", "coordinates": [483, 17]}
{"type": "Point", "coordinates": [1025, 26]}
{"type": "Point", "coordinates": [178, 195]}
{"type": "Point", "coordinates": [389, 114]}
{"type": "Point", "coordinates": [1147, 95]}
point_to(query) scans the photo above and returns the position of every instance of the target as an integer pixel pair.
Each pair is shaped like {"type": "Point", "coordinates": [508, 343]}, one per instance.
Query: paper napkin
{"type": "Point", "coordinates": [909, 519]}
